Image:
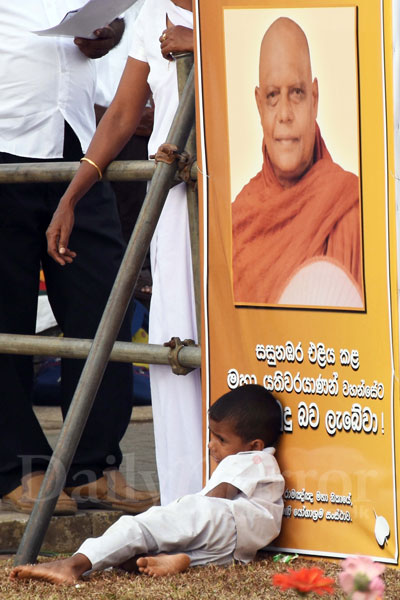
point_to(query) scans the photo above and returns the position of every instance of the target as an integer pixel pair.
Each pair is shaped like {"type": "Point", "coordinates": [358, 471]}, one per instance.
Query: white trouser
{"type": "Point", "coordinates": [202, 527]}
{"type": "Point", "coordinates": [176, 399]}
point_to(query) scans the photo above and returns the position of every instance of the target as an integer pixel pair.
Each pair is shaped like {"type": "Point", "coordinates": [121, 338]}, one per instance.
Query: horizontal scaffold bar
{"type": "Point", "coordinates": [189, 356]}
{"type": "Point", "coordinates": [50, 172]}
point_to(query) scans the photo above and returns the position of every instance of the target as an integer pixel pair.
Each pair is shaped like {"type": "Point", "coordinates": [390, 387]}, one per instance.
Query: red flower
{"type": "Point", "coordinates": [305, 581]}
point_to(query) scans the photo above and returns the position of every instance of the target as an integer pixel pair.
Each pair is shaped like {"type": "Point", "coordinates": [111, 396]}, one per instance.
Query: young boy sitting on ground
{"type": "Point", "coordinates": [238, 512]}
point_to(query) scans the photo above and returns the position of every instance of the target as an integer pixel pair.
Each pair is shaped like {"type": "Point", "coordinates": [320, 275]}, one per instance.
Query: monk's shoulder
{"type": "Point", "coordinates": [347, 178]}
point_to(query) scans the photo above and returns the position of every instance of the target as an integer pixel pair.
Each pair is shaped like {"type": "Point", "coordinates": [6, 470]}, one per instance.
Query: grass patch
{"type": "Point", "coordinates": [236, 582]}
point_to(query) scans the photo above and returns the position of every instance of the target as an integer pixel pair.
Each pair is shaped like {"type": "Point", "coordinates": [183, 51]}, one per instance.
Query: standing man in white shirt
{"type": "Point", "coordinates": [47, 87]}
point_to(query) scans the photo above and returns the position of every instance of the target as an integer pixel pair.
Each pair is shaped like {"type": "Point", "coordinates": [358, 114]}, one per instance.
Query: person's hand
{"type": "Point", "coordinates": [176, 39]}
{"type": "Point", "coordinates": [58, 233]}
{"type": "Point", "coordinates": [106, 38]}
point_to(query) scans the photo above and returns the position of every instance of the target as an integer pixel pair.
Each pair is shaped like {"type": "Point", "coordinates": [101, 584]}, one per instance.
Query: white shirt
{"type": "Point", "coordinates": [258, 507]}
{"type": "Point", "coordinates": [43, 80]}
{"type": "Point", "coordinates": [162, 79]}
{"type": "Point", "coordinates": [110, 67]}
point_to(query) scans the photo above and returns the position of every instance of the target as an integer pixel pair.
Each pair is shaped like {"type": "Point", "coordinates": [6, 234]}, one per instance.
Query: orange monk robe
{"type": "Point", "coordinates": [275, 230]}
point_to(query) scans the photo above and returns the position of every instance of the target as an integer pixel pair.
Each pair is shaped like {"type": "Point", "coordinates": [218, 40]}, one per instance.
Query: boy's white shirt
{"type": "Point", "coordinates": [234, 468]}
{"type": "Point", "coordinates": [258, 507]}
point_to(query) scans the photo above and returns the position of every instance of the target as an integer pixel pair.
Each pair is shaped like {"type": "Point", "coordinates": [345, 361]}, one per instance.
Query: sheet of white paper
{"type": "Point", "coordinates": [94, 15]}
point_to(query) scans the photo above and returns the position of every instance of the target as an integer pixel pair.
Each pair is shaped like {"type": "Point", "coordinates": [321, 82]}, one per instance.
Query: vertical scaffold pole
{"type": "Point", "coordinates": [184, 63]}
{"type": "Point", "coordinates": [106, 335]}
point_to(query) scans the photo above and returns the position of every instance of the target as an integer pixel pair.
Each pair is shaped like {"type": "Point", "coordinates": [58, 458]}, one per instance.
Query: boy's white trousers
{"type": "Point", "coordinates": [202, 527]}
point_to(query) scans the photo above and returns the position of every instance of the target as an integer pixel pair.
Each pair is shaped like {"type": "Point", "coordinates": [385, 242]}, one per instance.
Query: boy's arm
{"type": "Point", "coordinates": [223, 490]}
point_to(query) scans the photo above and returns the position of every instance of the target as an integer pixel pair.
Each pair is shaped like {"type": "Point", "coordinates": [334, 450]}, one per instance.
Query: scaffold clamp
{"type": "Point", "coordinates": [176, 344]}
{"type": "Point", "coordinates": [185, 165]}
{"type": "Point", "coordinates": [166, 153]}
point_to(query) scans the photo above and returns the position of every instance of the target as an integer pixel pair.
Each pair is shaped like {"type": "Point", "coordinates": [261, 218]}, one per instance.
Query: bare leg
{"type": "Point", "coordinates": [67, 570]}
{"type": "Point", "coordinates": [163, 564]}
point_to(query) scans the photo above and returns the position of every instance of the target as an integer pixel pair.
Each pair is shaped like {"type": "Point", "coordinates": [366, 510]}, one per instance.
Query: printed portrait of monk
{"type": "Point", "coordinates": [296, 226]}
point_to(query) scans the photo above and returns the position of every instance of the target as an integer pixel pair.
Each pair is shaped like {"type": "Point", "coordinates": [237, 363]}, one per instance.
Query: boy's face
{"type": "Point", "coordinates": [224, 441]}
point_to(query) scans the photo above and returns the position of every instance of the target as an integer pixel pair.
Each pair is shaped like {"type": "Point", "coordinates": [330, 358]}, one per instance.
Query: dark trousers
{"type": "Point", "coordinates": [78, 294]}
{"type": "Point", "coordinates": [130, 194]}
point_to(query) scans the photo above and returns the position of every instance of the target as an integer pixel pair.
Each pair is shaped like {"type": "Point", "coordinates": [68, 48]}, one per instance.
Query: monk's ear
{"type": "Point", "coordinates": [258, 99]}
{"type": "Point", "coordinates": [315, 96]}
{"type": "Point", "coordinates": [257, 445]}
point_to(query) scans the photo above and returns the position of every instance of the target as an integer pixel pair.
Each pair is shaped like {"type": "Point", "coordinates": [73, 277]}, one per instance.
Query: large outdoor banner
{"type": "Point", "coordinates": [296, 159]}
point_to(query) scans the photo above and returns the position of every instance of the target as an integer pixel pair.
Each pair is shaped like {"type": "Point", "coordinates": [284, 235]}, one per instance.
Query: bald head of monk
{"type": "Point", "coordinates": [287, 100]}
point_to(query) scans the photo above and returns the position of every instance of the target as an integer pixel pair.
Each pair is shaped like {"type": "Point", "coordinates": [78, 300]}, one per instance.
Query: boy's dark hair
{"type": "Point", "coordinates": [253, 411]}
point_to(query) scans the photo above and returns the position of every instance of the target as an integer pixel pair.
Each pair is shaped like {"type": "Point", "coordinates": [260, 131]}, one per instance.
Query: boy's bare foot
{"type": "Point", "coordinates": [65, 571]}
{"type": "Point", "coordinates": [163, 564]}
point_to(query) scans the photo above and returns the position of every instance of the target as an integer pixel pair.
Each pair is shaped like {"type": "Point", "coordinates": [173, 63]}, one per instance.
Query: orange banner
{"type": "Point", "coordinates": [295, 154]}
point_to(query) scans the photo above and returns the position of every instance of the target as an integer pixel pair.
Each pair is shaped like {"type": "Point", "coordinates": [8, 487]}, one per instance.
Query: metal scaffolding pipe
{"type": "Point", "coordinates": [154, 354]}
{"type": "Point", "coordinates": [184, 65]}
{"type": "Point", "coordinates": [193, 210]}
{"type": "Point", "coordinates": [52, 172]}
{"type": "Point", "coordinates": [106, 334]}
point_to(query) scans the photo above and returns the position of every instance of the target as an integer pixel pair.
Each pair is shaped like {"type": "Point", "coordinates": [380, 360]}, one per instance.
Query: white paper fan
{"type": "Point", "coordinates": [322, 282]}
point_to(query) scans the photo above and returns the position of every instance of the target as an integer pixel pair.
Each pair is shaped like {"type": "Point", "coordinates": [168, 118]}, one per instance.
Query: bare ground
{"type": "Point", "coordinates": [248, 582]}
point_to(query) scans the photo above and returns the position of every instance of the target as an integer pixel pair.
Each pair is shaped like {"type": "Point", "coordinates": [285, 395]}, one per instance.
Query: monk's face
{"type": "Point", "coordinates": [287, 100]}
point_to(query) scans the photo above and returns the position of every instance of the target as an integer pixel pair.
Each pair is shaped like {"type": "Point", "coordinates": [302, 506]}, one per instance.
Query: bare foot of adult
{"type": "Point", "coordinates": [163, 564]}
{"type": "Point", "coordinates": [66, 571]}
